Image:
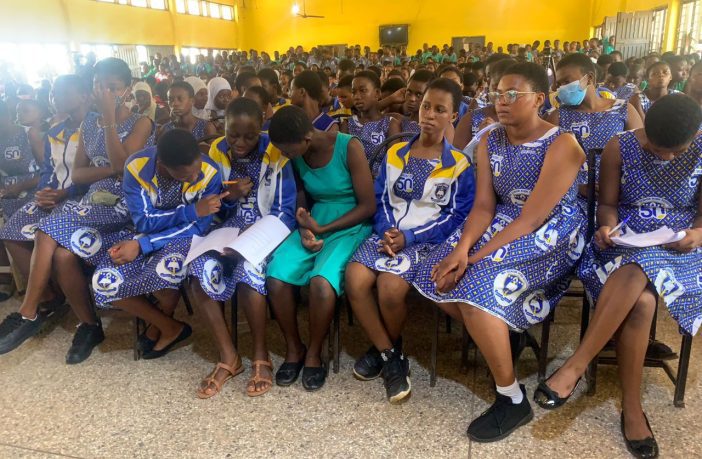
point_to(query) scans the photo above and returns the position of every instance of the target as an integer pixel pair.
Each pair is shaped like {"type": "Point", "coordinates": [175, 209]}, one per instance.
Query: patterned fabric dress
{"type": "Point", "coordinates": [324, 122]}
{"type": "Point", "coordinates": [17, 165]}
{"type": "Point", "coordinates": [646, 102]}
{"type": "Point", "coordinates": [83, 227]}
{"type": "Point", "coordinates": [371, 134]}
{"type": "Point", "coordinates": [625, 92]}
{"type": "Point", "coordinates": [477, 118]}
{"type": "Point", "coordinates": [523, 281]}
{"type": "Point", "coordinates": [198, 130]}
{"type": "Point", "coordinates": [654, 193]}
{"type": "Point", "coordinates": [407, 125]}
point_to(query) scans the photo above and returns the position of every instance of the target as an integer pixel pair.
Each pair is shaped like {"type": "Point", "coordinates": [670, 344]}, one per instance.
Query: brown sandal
{"type": "Point", "coordinates": [210, 381]}
{"type": "Point", "coordinates": [257, 378]}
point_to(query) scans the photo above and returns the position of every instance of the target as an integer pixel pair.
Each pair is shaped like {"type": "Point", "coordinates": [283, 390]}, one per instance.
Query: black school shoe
{"type": "Point", "coordinates": [501, 419]}
{"type": "Point", "coordinates": [313, 378]}
{"type": "Point", "coordinates": [642, 449]}
{"type": "Point", "coordinates": [370, 365]}
{"type": "Point", "coordinates": [396, 370]}
{"type": "Point", "coordinates": [15, 330]}
{"type": "Point", "coordinates": [87, 337]}
{"type": "Point", "coordinates": [154, 354]}
{"type": "Point", "coordinates": [288, 372]}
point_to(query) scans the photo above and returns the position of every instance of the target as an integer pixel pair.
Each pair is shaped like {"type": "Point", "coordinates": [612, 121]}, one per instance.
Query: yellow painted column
{"type": "Point", "coordinates": [177, 43]}
{"type": "Point", "coordinates": [671, 25]}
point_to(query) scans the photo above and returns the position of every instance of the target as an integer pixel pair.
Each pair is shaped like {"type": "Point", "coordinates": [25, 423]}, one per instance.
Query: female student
{"type": "Point", "coordinates": [306, 93]}
{"type": "Point", "coordinates": [263, 100]}
{"type": "Point", "coordinates": [658, 77]}
{"type": "Point", "coordinates": [694, 84]}
{"type": "Point", "coordinates": [343, 100]}
{"type": "Point", "coordinates": [265, 185]}
{"type": "Point", "coordinates": [145, 103]}
{"type": "Point", "coordinates": [85, 229]}
{"type": "Point", "coordinates": [416, 87]}
{"type": "Point", "coordinates": [269, 82]}
{"type": "Point", "coordinates": [200, 90]}
{"type": "Point", "coordinates": [650, 178]}
{"type": "Point", "coordinates": [424, 191]}
{"type": "Point", "coordinates": [71, 97]}
{"type": "Point", "coordinates": [334, 172]}
{"type": "Point", "coordinates": [219, 93]}
{"type": "Point", "coordinates": [181, 98]}
{"type": "Point", "coordinates": [616, 81]}
{"type": "Point", "coordinates": [172, 192]}
{"type": "Point", "coordinates": [452, 73]}
{"type": "Point", "coordinates": [368, 124]}
{"type": "Point", "coordinates": [508, 267]}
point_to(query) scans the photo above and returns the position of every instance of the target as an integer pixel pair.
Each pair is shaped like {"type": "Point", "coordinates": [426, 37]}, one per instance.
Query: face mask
{"type": "Point", "coordinates": [571, 94]}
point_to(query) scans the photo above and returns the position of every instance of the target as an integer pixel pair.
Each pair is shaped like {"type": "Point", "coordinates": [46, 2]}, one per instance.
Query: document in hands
{"type": "Point", "coordinates": [254, 244]}
{"type": "Point", "coordinates": [661, 236]}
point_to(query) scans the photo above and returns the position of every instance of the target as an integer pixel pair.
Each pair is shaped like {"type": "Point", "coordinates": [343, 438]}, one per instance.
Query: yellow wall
{"type": "Point", "coordinates": [89, 21]}
{"type": "Point", "coordinates": [269, 25]}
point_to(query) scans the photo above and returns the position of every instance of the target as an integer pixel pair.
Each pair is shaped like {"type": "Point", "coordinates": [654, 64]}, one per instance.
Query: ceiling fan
{"type": "Point", "coordinates": [303, 14]}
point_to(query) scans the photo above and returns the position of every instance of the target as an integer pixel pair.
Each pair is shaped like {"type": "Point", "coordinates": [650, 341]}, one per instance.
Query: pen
{"type": "Point", "coordinates": [619, 226]}
{"type": "Point", "coordinates": [230, 182]}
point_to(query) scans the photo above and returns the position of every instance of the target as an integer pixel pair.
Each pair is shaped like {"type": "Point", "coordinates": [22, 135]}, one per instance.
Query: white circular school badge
{"type": "Point", "coordinates": [86, 242]}
{"type": "Point", "coordinates": [536, 307]}
{"type": "Point", "coordinates": [576, 245]}
{"type": "Point", "coordinates": [30, 208]}
{"type": "Point", "coordinates": [668, 286]}
{"type": "Point", "coordinates": [519, 196]}
{"type": "Point", "coordinates": [28, 231]}
{"type": "Point", "coordinates": [696, 325]}
{"type": "Point", "coordinates": [171, 268]}
{"type": "Point", "coordinates": [106, 281]}
{"type": "Point", "coordinates": [547, 237]}
{"type": "Point", "coordinates": [568, 210]}
{"type": "Point", "coordinates": [396, 265]}
{"type": "Point", "coordinates": [212, 277]}
{"type": "Point", "coordinates": [508, 285]}
{"type": "Point", "coordinates": [255, 275]}
{"type": "Point", "coordinates": [500, 254]}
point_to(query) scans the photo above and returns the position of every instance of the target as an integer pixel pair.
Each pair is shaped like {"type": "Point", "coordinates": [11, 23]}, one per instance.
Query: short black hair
{"type": "Point", "coordinates": [496, 58]}
{"type": "Point", "coordinates": [478, 65]}
{"type": "Point", "coordinates": [324, 78]}
{"type": "Point", "coordinates": [290, 124]}
{"type": "Point", "coordinates": [73, 81]}
{"type": "Point", "coordinates": [177, 148]}
{"type": "Point", "coordinates": [654, 65]}
{"type": "Point", "coordinates": [451, 68]}
{"type": "Point", "coordinates": [304, 66]}
{"type": "Point", "coordinates": [113, 66]}
{"type": "Point", "coordinates": [261, 93]}
{"type": "Point", "coordinates": [310, 82]}
{"type": "Point", "coordinates": [268, 74]}
{"type": "Point", "coordinates": [469, 79]}
{"type": "Point", "coordinates": [449, 86]}
{"type": "Point", "coordinates": [346, 65]}
{"type": "Point", "coordinates": [498, 68]}
{"type": "Point", "coordinates": [535, 74]}
{"type": "Point", "coordinates": [369, 75]}
{"type": "Point", "coordinates": [673, 120]}
{"type": "Point", "coordinates": [581, 61]}
{"type": "Point", "coordinates": [377, 70]}
{"type": "Point", "coordinates": [392, 85]}
{"type": "Point", "coordinates": [185, 87]}
{"type": "Point", "coordinates": [243, 106]}
{"type": "Point", "coordinates": [242, 79]}
{"type": "Point", "coordinates": [422, 76]}
{"type": "Point", "coordinates": [604, 59]}
{"type": "Point", "coordinates": [345, 82]}
{"type": "Point", "coordinates": [618, 69]}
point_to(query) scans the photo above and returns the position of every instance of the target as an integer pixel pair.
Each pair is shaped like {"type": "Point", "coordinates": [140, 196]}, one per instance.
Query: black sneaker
{"type": "Point", "coordinates": [84, 341]}
{"type": "Point", "coordinates": [15, 330]}
{"type": "Point", "coordinates": [501, 419]}
{"type": "Point", "coordinates": [396, 372]}
{"type": "Point", "coordinates": [369, 366]}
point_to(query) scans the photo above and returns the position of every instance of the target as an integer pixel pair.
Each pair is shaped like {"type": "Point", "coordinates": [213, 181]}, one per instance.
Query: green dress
{"type": "Point", "coordinates": [331, 189]}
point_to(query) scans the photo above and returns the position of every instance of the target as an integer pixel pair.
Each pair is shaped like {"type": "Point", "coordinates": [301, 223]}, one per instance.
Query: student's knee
{"type": "Point", "coordinates": [392, 290]}
{"type": "Point", "coordinates": [276, 286]}
{"type": "Point", "coordinates": [321, 290]}
{"type": "Point", "coordinates": [247, 294]}
{"type": "Point", "coordinates": [628, 273]}
{"type": "Point", "coordinates": [62, 258]}
{"type": "Point", "coordinates": [358, 279]}
{"type": "Point", "coordinates": [643, 310]}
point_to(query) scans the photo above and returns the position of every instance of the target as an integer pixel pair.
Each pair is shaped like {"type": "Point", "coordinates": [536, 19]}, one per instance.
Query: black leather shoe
{"type": "Point", "coordinates": [548, 399]}
{"type": "Point", "coordinates": [154, 354]}
{"type": "Point", "coordinates": [288, 372]}
{"type": "Point", "coordinates": [144, 343]}
{"type": "Point", "coordinates": [313, 378]}
{"type": "Point", "coordinates": [642, 449]}
{"type": "Point", "coordinates": [87, 337]}
{"type": "Point", "coordinates": [501, 419]}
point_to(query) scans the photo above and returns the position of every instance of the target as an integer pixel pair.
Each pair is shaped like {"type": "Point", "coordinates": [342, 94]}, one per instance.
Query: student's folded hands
{"type": "Point", "coordinates": [305, 220]}
{"type": "Point", "coordinates": [449, 271]}
{"type": "Point", "coordinates": [124, 251]}
{"type": "Point", "coordinates": [310, 241]}
{"type": "Point", "coordinates": [48, 198]}
{"type": "Point", "coordinates": [393, 241]}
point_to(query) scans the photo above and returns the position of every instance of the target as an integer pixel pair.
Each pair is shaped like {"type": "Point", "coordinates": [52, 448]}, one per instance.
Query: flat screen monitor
{"type": "Point", "coordinates": [393, 34]}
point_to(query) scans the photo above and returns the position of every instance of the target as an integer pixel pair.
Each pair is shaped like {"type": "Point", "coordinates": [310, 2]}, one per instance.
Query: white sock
{"type": "Point", "coordinates": [512, 391]}
{"type": "Point", "coordinates": [31, 319]}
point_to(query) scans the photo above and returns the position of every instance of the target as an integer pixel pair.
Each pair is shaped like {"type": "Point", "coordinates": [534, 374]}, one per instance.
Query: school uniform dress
{"type": "Point", "coordinates": [625, 92]}
{"type": "Point", "coordinates": [273, 193]}
{"type": "Point", "coordinates": [90, 226]}
{"type": "Point", "coordinates": [425, 199]}
{"type": "Point", "coordinates": [198, 130]}
{"type": "Point", "coordinates": [522, 281]}
{"type": "Point", "coordinates": [371, 134]}
{"type": "Point", "coordinates": [462, 110]}
{"type": "Point", "coordinates": [17, 165]}
{"type": "Point", "coordinates": [407, 125]}
{"type": "Point", "coordinates": [164, 218]}
{"type": "Point", "coordinates": [60, 147]}
{"type": "Point", "coordinates": [331, 189]}
{"type": "Point", "coordinates": [646, 102]}
{"type": "Point", "coordinates": [655, 193]}
{"type": "Point", "coordinates": [323, 122]}
{"type": "Point", "coordinates": [477, 118]}
{"type": "Point", "coordinates": [338, 111]}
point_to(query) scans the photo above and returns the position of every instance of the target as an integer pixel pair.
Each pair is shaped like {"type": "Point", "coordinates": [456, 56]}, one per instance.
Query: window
{"type": "Point", "coordinates": [227, 13]}
{"type": "Point", "coordinates": [194, 7]}
{"type": "Point", "coordinates": [180, 6]}
{"type": "Point", "coordinates": [155, 4]}
{"type": "Point", "coordinates": [598, 32]}
{"type": "Point", "coordinates": [658, 29]}
{"type": "Point", "coordinates": [214, 10]}
{"type": "Point", "coordinates": [205, 8]}
{"type": "Point", "coordinates": [689, 26]}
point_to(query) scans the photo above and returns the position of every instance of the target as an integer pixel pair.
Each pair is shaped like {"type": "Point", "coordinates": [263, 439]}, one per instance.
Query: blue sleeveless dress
{"type": "Point", "coordinates": [198, 131]}
{"type": "Point", "coordinates": [371, 134]}
{"type": "Point", "coordinates": [523, 281]}
{"type": "Point", "coordinates": [82, 227]}
{"type": "Point", "coordinates": [654, 193]}
{"type": "Point", "coordinates": [478, 117]}
{"type": "Point", "coordinates": [646, 102]}
{"type": "Point", "coordinates": [407, 125]}
{"type": "Point", "coordinates": [17, 165]}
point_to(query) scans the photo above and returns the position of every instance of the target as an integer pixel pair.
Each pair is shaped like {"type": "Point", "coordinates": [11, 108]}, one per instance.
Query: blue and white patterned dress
{"type": "Point", "coordinates": [371, 134]}
{"type": "Point", "coordinates": [625, 92]}
{"type": "Point", "coordinates": [198, 130]}
{"type": "Point", "coordinates": [323, 122]}
{"type": "Point", "coordinates": [88, 229]}
{"type": "Point", "coordinates": [407, 125]}
{"type": "Point", "coordinates": [477, 117]}
{"type": "Point", "coordinates": [654, 193]}
{"type": "Point", "coordinates": [523, 281]}
{"type": "Point", "coordinates": [17, 165]}
{"type": "Point", "coordinates": [646, 102]}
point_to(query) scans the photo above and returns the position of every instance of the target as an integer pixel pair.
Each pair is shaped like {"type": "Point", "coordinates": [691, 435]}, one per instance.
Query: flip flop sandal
{"type": "Point", "coordinates": [257, 378]}
{"type": "Point", "coordinates": [210, 381]}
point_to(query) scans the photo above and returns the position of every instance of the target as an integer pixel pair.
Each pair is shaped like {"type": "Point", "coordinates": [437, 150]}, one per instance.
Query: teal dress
{"type": "Point", "coordinates": [332, 191]}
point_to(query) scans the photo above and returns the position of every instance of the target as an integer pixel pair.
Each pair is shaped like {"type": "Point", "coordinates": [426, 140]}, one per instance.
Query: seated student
{"type": "Point", "coordinates": [679, 70]}
{"type": "Point", "coordinates": [172, 192]}
{"type": "Point", "coordinates": [145, 103]}
{"type": "Point", "coordinates": [219, 93]}
{"type": "Point", "coordinates": [616, 81]}
{"type": "Point", "coordinates": [33, 116]}
{"type": "Point", "coordinates": [72, 98]}
{"type": "Point", "coordinates": [335, 174]}
{"type": "Point", "coordinates": [508, 266]}
{"type": "Point", "coordinates": [180, 99]}
{"type": "Point", "coordinates": [269, 82]}
{"type": "Point", "coordinates": [343, 100]}
{"type": "Point", "coordinates": [306, 93]}
{"type": "Point", "coordinates": [416, 87]}
{"type": "Point", "coordinates": [471, 87]}
{"type": "Point", "coordinates": [593, 119]}
{"type": "Point", "coordinates": [265, 186]}
{"type": "Point", "coordinates": [694, 86]}
{"type": "Point", "coordinates": [650, 178]}
{"type": "Point", "coordinates": [368, 124]}
{"type": "Point", "coordinates": [425, 189]}
{"type": "Point", "coordinates": [200, 90]}
{"type": "Point", "coordinates": [452, 73]}
{"type": "Point", "coordinates": [262, 98]}
{"type": "Point", "coordinates": [83, 230]}
{"type": "Point", "coordinates": [390, 87]}
{"type": "Point", "coordinates": [244, 80]}
{"type": "Point", "coordinates": [658, 78]}
{"type": "Point", "coordinates": [637, 76]}
{"type": "Point", "coordinates": [326, 100]}
{"type": "Point", "coordinates": [286, 77]}
{"type": "Point", "coordinates": [478, 118]}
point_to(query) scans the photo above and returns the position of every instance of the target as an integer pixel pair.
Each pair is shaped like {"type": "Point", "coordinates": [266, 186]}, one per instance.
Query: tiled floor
{"type": "Point", "coordinates": [112, 406]}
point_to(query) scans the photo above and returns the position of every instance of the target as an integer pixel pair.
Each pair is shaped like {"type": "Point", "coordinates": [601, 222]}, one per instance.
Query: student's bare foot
{"type": "Point", "coordinates": [261, 378]}
{"type": "Point", "coordinates": [212, 385]}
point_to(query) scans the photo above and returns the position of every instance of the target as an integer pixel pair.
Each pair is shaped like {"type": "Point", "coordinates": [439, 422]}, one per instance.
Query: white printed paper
{"type": "Point", "coordinates": [661, 236]}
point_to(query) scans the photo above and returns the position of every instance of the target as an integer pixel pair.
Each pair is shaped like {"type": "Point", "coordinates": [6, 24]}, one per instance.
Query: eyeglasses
{"type": "Point", "coordinates": [507, 97]}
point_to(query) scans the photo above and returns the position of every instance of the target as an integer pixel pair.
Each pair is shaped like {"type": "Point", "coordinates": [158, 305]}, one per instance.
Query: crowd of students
{"type": "Point", "coordinates": [480, 207]}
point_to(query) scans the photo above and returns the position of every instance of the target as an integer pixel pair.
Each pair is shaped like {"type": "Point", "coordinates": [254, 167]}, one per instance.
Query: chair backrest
{"type": "Point", "coordinates": [377, 157]}
{"type": "Point", "coordinates": [592, 191]}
